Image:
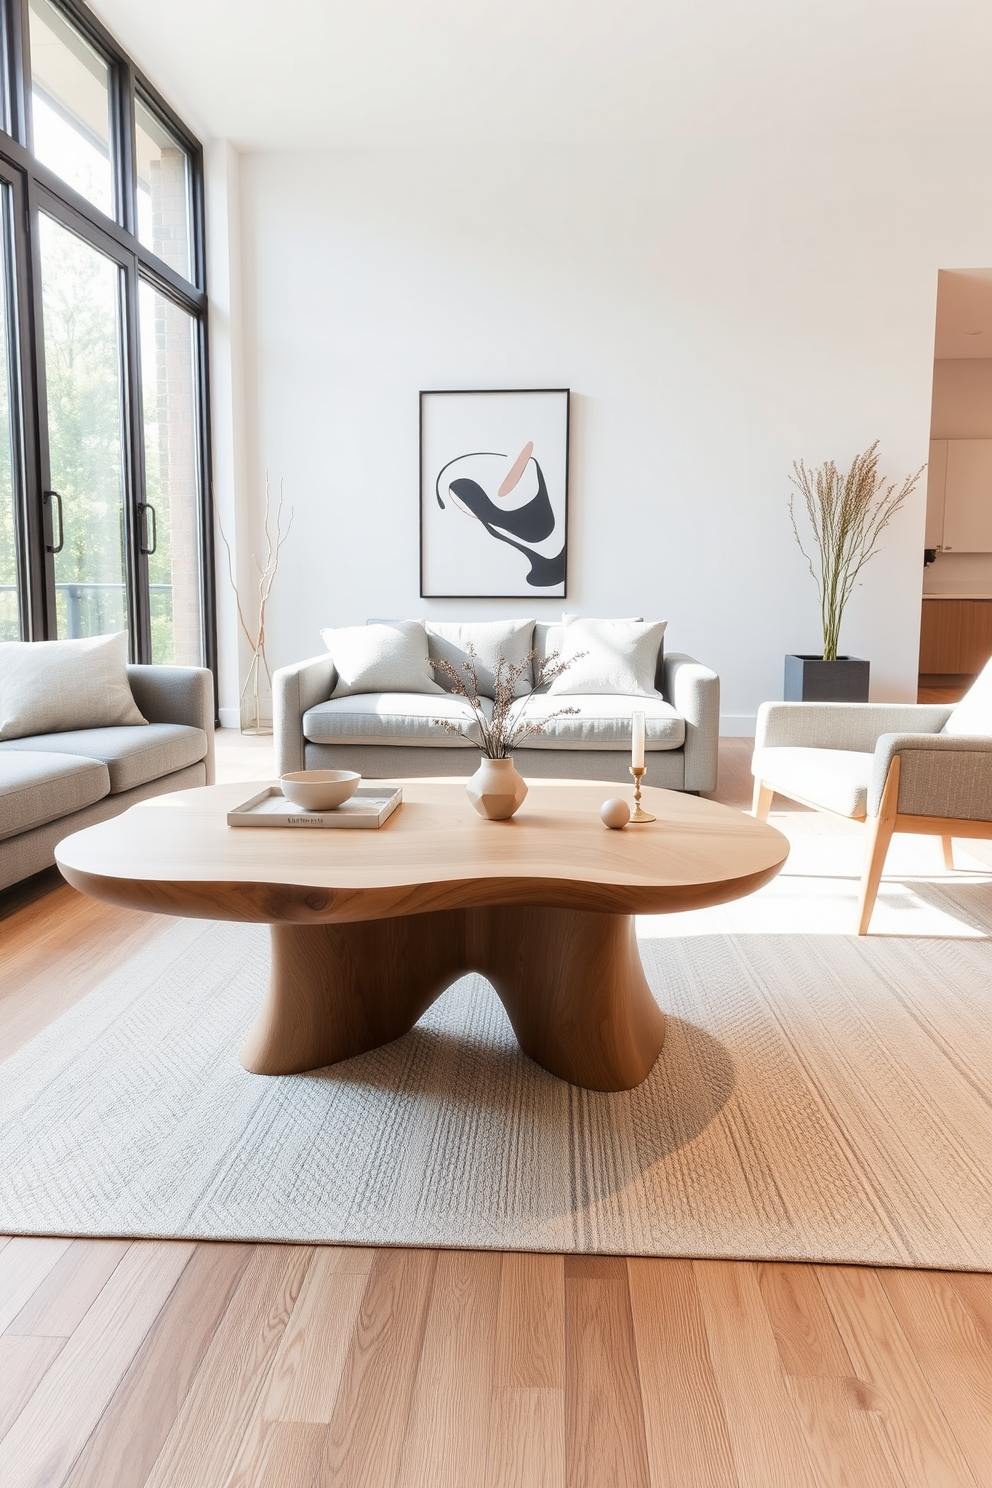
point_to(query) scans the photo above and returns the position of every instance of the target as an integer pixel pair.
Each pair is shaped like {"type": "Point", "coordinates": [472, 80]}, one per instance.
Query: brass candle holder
{"type": "Point", "coordinates": [639, 814]}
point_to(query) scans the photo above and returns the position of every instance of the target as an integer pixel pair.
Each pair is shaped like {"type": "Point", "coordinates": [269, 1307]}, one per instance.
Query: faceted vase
{"type": "Point", "coordinates": [496, 790]}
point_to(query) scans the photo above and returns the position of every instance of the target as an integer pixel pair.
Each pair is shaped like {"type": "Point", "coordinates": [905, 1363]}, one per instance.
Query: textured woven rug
{"type": "Point", "coordinates": [818, 1097]}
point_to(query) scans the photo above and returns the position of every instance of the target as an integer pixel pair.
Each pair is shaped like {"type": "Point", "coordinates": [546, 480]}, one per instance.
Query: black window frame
{"type": "Point", "coordinates": [35, 188]}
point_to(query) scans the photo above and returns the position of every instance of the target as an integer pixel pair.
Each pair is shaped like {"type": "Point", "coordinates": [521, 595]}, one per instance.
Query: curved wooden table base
{"type": "Point", "coordinates": [571, 982]}
{"type": "Point", "coordinates": [369, 928]}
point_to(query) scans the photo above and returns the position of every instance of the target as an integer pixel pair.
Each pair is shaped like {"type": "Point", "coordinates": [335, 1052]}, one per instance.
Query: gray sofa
{"type": "Point", "coordinates": [53, 784]}
{"type": "Point", "coordinates": [385, 735]}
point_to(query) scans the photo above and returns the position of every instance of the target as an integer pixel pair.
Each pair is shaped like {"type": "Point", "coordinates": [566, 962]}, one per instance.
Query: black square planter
{"type": "Point", "coordinates": [810, 679]}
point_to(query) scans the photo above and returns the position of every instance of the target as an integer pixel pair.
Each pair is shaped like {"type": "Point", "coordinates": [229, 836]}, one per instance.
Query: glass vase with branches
{"type": "Point", "coordinates": [255, 717]}
{"type": "Point", "coordinates": [847, 511]}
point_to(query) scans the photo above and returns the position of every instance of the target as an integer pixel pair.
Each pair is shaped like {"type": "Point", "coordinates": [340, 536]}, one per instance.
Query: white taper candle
{"type": "Point", "coordinates": [637, 741]}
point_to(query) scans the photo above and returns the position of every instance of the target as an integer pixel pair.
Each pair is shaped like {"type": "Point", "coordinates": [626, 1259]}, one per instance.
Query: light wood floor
{"type": "Point", "coordinates": [205, 1365]}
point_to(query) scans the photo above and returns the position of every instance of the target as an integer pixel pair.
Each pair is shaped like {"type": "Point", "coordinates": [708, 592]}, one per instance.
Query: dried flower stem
{"type": "Point", "coordinates": [847, 513]}
{"type": "Point", "coordinates": [499, 737]}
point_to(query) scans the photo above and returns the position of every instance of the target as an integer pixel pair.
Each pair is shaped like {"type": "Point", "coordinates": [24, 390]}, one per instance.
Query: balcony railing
{"type": "Point", "coordinates": [91, 608]}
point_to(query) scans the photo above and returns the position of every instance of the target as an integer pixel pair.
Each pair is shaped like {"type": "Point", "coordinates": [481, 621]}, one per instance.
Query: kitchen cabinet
{"type": "Point", "coordinates": [967, 514]}
{"type": "Point", "coordinates": [955, 635]}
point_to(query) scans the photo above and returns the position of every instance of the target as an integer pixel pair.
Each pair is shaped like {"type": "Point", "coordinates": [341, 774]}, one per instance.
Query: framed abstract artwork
{"type": "Point", "coordinates": [493, 493]}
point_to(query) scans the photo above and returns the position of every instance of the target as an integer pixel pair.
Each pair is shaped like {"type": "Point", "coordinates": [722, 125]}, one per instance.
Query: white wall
{"type": "Point", "coordinates": [717, 306]}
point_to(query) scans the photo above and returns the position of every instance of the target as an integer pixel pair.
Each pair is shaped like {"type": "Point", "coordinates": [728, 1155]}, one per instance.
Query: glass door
{"type": "Point", "coordinates": [11, 541]}
{"type": "Point", "coordinates": [84, 388]}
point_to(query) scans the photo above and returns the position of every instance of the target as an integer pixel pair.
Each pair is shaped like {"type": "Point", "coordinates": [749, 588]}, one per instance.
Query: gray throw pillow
{"type": "Point", "coordinates": [390, 656]}
{"type": "Point", "coordinates": [621, 656]}
{"type": "Point", "coordinates": [511, 639]}
{"type": "Point", "coordinates": [50, 687]}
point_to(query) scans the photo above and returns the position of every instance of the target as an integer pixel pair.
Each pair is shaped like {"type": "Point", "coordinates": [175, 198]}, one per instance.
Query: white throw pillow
{"type": "Point", "coordinates": [973, 714]}
{"type": "Point", "coordinates": [50, 687]}
{"type": "Point", "coordinates": [621, 656]}
{"type": "Point", "coordinates": [386, 656]}
{"type": "Point", "coordinates": [511, 639]}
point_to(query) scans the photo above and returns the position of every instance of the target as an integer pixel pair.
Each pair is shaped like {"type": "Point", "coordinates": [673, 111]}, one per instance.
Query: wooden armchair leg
{"type": "Point", "coordinates": [947, 843]}
{"type": "Point", "coordinates": [879, 837]}
{"type": "Point", "coordinates": [762, 802]}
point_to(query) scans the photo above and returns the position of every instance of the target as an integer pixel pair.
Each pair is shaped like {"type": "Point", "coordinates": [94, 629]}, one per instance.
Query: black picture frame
{"type": "Point", "coordinates": [524, 461]}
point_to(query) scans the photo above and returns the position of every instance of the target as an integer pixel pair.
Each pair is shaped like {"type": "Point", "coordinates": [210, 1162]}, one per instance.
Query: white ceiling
{"type": "Point", "coordinates": [964, 313]}
{"type": "Point", "coordinates": [326, 73]}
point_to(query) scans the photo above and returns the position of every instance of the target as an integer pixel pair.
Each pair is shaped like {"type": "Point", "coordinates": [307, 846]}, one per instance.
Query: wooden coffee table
{"type": "Point", "coordinates": [369, 927]}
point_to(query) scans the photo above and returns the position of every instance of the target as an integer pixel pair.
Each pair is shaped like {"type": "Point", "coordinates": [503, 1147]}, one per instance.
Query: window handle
{"type": "Point", "coordinates": [146, 507]}
{"type": "Point", "coordinates": [55, 547]}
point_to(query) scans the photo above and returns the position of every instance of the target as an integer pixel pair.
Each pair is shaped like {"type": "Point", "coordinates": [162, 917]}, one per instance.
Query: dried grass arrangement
{"type": "Point", "coordinates": [847, 513]}
{"type": "Point", "coordinates": [500, 735]}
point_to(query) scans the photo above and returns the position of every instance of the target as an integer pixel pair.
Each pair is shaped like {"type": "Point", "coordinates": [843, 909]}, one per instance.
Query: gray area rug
{"type": "Point", "coordinates": [818, 1098]}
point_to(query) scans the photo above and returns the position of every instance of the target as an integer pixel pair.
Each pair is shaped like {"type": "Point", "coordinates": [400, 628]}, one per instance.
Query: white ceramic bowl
{"type": "Point", "coordinates": [319, 790]}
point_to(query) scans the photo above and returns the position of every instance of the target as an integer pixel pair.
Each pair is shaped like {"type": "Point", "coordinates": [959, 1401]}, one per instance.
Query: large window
{"type": "Point", "coordinates": [104, 490]}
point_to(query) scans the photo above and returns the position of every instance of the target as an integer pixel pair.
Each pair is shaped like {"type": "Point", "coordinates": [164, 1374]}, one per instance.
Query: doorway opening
{"type": "Point", "coordinates": [956, 625]}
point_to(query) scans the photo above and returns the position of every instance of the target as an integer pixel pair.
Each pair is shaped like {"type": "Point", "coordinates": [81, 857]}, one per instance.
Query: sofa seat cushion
{"type": "Point", "coordinates": [394, 718]}
{"type": "Point", "coordinates": [36, 788]}
{"type": "Point", "coordinates": [132, 755]}
{"type": "Point", "coordinates": [602, 721]}
{"type": "Point", "coordinates": [836, 779]}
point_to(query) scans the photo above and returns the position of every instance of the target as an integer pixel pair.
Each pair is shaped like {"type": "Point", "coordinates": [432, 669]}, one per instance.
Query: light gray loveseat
{"type": "Point", "coordinates": [54, 784]}
{"type": "Point", "coordinates": [385, 735]}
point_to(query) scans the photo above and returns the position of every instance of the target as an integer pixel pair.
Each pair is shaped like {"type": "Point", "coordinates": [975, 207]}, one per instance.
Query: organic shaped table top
{"type": "Point", "coordinates": [176, 854]}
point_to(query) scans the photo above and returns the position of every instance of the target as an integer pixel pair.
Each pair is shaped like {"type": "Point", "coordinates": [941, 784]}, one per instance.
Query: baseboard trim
{"type": "Point", "coordinates": [231, 717]}
{"type": "Point", "coordinates": [738, 725]}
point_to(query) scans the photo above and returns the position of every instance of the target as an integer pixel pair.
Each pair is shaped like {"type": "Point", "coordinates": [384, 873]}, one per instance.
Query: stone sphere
{"type": "Point", "coordinates": [615, 813]}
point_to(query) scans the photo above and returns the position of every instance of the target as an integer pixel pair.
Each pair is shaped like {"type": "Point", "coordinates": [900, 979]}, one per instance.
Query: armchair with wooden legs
{"type": "Point", "coordinates": [899, 767]}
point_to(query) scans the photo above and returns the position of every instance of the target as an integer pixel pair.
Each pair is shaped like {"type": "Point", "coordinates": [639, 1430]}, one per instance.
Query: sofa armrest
{"type": "Point", "coordinates": [939, 775]}
{"type": "Point", "coordinates": [295, 689]}
{"type": "Point", "coordinates": [175, 694]}
{"type": "Point", "coordinates": [694, 692]}
{"type": "Point", "coordinates": [856, 726]}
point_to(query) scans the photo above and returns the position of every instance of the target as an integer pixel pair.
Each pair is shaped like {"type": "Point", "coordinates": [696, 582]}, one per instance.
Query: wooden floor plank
{"type": "Point", "coordinates": [769, 1444]}
{"type": "Point", "coordinates": [224, 1400]}
{"type": "Point", "coordinates": [24, 1362]}
{"type": "Point", "coordinates": [688, 1443]}
{"type": "Point", "coordinates": [24, 1265]}
{"type": "Point", "coordinates": [448, 1432]}
{"type": "Point", "coordinates": [953, 1354]}
{"type": "Point", "coordinates": [530, 1327]}
{"type": "Point", "coordinates": [365, 1438]}
{"type": "Point", "coordinates": [310, 1361]}
{"type": "Point", "coordinates": [923, 1444]}
{"type": "Point", "coordinates": [88, 940]}
{"type": "Point", "coordinates": [69, 1290]}
{"type": "Point", "coordinates": [50, 1432]}
{"type": "Point", "coordinates": [143, 1410]}
{"type": "Point", "coordinates": [526, 1439]}
{"type": "Point", "coordinates": [807, 1337]}
{"type": "Point", "coordinates": [845, 1434]}
{"type": "Point", "coordinates": [604, 1423]}
{"type": "Point", "coordinates": [975, 1292]}
{"type": "Point", "coordinates": [289, 1454]}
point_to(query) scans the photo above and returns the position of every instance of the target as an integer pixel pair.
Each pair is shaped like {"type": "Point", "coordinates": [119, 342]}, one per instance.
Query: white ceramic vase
{"type": "Point", "coordinates": [496, 790]}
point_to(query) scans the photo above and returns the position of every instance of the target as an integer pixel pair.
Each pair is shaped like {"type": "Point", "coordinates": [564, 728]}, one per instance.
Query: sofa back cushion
{"type": "Point", "coordinates": [973, 714]}
{"type": "Point", "coordinates": [383, 656]}
{"type": "Point", "coordinates": [610, 656]}
{"type": "Point", "coordinates": [49, 687]}
{"type": "Point", "coordinates": [510, 639]}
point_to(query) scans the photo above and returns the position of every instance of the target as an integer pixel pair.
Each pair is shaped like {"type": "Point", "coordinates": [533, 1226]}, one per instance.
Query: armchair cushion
{"type": "Point", "coordinates": [836, 779]}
